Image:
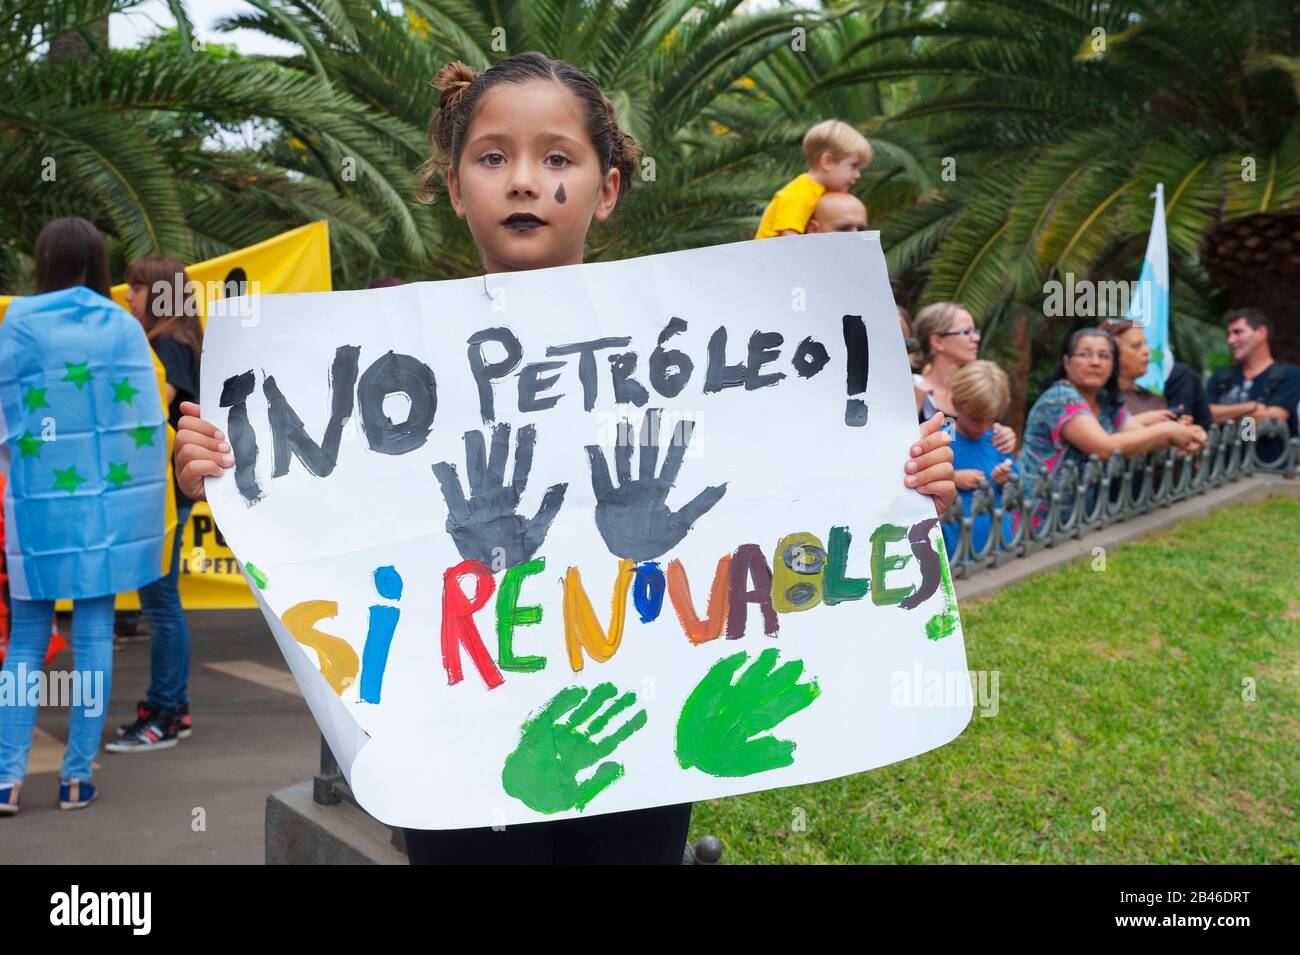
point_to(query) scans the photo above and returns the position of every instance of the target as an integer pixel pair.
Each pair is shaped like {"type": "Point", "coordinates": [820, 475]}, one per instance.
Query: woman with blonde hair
{"type": "Point", "coordinates": [949, 338]}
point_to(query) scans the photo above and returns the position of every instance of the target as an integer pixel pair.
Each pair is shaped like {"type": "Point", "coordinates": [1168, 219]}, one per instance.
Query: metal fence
{"type": "Point", "coordinates": [1069, 505]}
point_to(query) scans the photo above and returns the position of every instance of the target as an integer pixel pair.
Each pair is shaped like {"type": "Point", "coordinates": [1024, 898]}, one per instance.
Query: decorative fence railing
{"type": "Point", "coordinates": [1070, 504]}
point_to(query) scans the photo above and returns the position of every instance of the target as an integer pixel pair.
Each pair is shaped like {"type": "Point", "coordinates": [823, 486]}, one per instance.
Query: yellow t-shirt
{"type": "Point", "coordinates": [791, 207]}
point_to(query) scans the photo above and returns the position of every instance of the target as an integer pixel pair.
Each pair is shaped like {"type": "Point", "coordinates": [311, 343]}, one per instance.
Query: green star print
{"type": "Point", "coordinates": [78, 373]}
{"type": "Point", "coordinates": [30, 446]}
{"type": "Point", "coordinates": [122, 391]}
{"type": "Point", "coordinates": [117, 474]}
{"type": "Point", "coordinates": [35, 398]}
{"type": "Point", "coordinates": [67, 480]}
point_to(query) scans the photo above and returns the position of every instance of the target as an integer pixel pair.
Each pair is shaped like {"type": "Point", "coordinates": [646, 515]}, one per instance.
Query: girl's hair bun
{"type": "Point", "coordinates": [452, 80]}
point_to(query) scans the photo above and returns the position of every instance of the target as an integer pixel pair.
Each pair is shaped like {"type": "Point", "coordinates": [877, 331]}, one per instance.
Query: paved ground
{"type": "Point", "coordinates": [253, 735]}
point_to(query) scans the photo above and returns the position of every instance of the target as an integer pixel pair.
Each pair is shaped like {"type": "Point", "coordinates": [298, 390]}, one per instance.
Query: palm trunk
{"type": "Point", "coordinates": [1257, 260]}
{"type": "Point", "coordinates": [1023, 345]}
{"type": "Point", "coordinates": [73, 45]}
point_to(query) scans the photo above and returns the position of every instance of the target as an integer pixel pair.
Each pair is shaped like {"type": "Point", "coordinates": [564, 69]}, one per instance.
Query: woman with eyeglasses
{"type": "Point", "coordinates": [948, 338]}
{"type": "Point", "coordinates": [1183, 396]}
{"type": "Point", "coordinates": [1081, 413]}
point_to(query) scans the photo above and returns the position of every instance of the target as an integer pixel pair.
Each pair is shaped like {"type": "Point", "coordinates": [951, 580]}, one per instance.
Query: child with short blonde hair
{"type": "Point", "coordinates": [836, 153]}
{"type": "Point", "coordinates": [981, 393]}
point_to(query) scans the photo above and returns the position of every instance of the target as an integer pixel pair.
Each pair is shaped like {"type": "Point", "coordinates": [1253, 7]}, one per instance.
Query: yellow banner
{"type": "Point", "coordinates": [294, 261]}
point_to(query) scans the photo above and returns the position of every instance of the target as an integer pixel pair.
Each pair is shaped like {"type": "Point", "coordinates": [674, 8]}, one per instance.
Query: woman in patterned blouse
{"type": "Point", "coordinates": [1081, 414]}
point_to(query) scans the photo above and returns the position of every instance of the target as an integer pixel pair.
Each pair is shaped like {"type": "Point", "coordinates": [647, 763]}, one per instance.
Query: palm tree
{"type": "Point", "coordinates": [132, 140]}
{"type": "Point", "coordinates": [786, 93]}
{"type": "Point", "coordinates": [668, 67]}
{"type": "Point", "coordinates": [1062, 115]}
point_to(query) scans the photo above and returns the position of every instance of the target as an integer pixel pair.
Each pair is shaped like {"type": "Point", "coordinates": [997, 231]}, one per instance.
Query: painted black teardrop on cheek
{"type": "Point", "coordinates": [243, 442]}
{"type": "Point", "coordinates": [397, 374]}
{"type": "Point", "coordinates": [559, 194]}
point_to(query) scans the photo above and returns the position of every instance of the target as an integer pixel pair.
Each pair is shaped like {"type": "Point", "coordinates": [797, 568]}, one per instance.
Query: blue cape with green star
{"type": "Point", "coordinates": [83, 445]}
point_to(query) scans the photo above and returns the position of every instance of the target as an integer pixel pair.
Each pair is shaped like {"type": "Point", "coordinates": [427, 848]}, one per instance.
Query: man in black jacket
{"type": "Point", "coordinates": [1255, 386]}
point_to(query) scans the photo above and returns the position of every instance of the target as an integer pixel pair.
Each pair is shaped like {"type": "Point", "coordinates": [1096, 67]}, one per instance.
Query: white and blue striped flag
{"type": "Point", "coordinates": [1150, 307]}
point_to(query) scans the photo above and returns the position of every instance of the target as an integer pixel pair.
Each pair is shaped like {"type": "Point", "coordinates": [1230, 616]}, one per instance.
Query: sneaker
{"type": "Point", "coordinates": [143, 714]}
{"type": "Point", "coordinates": [158, 732]}
{"type": "Point", "coordinates": [9, 798]}
{"type": "Point", "coordinates": [76, 794]}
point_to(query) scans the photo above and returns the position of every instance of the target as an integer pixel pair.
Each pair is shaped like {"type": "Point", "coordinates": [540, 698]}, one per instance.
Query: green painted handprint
{"type": "Point", "coordinates": [541, 772]}
{"type": "Point", "coordinates": [718, 723]}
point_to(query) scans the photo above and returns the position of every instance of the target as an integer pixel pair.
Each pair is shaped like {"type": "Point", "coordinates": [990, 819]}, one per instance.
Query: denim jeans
{"type": "Point", "coordinates": [169, 633]}
{"type": "Point", "coordinates": [92, 649]}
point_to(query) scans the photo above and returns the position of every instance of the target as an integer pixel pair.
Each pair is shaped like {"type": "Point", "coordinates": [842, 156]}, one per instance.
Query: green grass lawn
{"type": "Point", "coordinates": [1120, 689]}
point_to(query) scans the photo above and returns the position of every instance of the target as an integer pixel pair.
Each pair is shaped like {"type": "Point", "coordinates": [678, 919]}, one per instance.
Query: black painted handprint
{"type": "Point", "coordinates": [486, 528]}
{"type": "Point", "coordinates": [634, 518]}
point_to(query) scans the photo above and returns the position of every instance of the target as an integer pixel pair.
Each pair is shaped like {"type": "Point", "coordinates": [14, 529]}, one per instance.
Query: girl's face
{"type": "Point", "coordinates": [1090, 364]}
{"type": "Point", "coordinates": [529, 181]}
{"type": "Point", "coordinates": [137, 297]}
{"type": "Point", "coordinates": [1134, 353]}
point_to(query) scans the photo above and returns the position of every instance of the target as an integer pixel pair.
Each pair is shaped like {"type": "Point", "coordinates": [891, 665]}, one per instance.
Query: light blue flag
{"type": "Point", "coordinates": [83, 445]}
{"type": "Point", "coordinates": [1150, 306]}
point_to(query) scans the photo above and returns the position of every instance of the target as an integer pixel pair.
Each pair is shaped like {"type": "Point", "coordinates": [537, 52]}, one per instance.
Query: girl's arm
{"type": "Point", "coordinates": [929, 469]}
{"type": "Point", "coordinates": [201, 451]}
{"type": "Point", "coordinates": [1086, 433]}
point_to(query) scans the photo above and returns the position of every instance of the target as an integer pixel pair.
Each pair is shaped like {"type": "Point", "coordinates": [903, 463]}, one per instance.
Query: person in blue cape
{"type": "Point", "coordinates": [88, 508]}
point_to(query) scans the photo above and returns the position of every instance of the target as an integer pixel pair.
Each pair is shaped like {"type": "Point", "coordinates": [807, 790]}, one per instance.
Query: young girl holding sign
{"type": "Point", "coordinates": [531, 154]}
